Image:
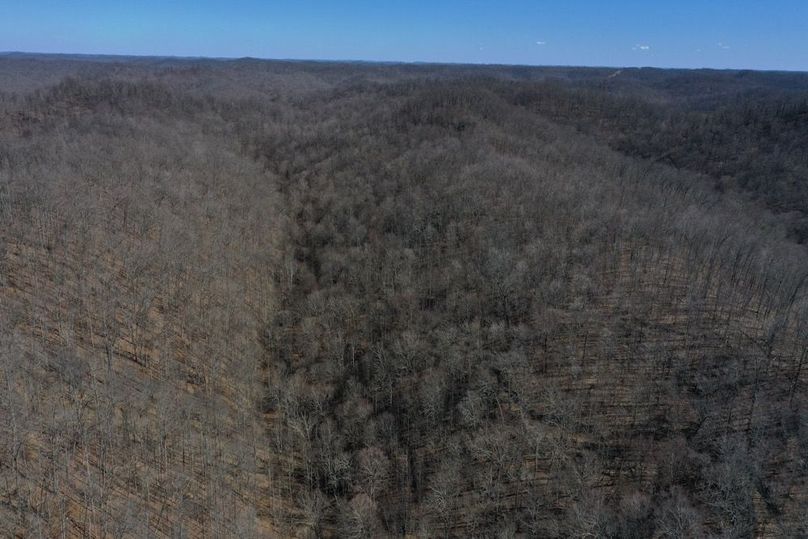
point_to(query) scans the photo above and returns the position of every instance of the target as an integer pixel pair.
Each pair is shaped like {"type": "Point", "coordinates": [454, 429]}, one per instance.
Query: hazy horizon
{"type": "Point", "coordinates": [95, 56]}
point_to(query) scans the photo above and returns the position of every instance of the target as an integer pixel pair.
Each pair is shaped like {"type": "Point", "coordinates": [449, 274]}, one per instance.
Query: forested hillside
{"type": "Point", "coordinates": [287, 299]}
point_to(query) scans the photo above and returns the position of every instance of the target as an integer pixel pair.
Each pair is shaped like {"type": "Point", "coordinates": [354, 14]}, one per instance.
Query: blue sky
{"type": "Point", "coordinates": [762, 34]}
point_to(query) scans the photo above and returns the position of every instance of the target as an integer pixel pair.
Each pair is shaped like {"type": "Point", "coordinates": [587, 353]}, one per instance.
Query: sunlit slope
{"type": "Point", "coordinates": [134, 287]}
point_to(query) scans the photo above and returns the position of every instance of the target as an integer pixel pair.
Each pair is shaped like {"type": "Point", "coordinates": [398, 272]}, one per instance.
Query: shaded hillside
{"type": "Point", "coordinates": [259, 299]}
{"type": "Point", "coordinates": [492, 324]}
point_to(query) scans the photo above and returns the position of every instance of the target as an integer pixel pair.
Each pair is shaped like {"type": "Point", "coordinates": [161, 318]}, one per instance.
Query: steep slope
{"type": "Point", "coordinates": [133, 251]}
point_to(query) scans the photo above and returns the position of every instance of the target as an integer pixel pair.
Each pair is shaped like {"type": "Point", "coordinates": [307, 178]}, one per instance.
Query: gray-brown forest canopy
{"type": "Point", "coordinates": [267, 299]}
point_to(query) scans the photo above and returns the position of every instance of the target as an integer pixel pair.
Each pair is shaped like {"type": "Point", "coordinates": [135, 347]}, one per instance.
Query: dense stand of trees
{"type": "Point", "coordinates": [509, 323]}
{"type": "Point", "coordinates": [751, 141]}
{"type": "Point", "coordinates": [135, 242]}
{"type": "Point", "coordinates": [276, 299]}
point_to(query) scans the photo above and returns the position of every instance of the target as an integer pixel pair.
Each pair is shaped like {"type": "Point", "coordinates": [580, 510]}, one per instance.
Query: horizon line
{"type": "Point", "coordinates": [90, 55]}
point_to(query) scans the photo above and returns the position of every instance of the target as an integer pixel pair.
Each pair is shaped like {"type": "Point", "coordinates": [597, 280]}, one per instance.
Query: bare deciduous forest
{"type": "Point", "coordinates": [295, 299]}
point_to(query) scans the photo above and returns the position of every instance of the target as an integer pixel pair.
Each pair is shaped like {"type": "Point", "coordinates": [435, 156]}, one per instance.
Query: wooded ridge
{"type": "Point", "coordinates": [289, 299]}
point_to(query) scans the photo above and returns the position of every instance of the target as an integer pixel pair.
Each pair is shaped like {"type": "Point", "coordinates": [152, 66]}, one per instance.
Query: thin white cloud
{"type": "Point", "coordinates": [541, 43]}
{"type": "Point", "coordinates": [723, 46]}
{"type": "Point", "coordinates": [641, 48]}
